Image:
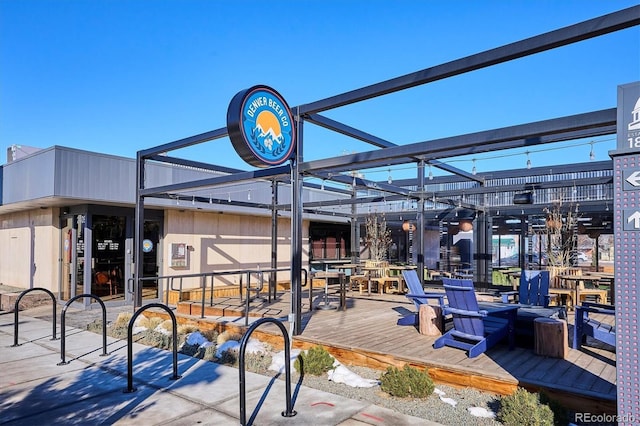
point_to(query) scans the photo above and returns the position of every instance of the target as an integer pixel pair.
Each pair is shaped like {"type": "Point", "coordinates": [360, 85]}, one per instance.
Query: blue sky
{"type": "Point", "coordinates": [122, 76]}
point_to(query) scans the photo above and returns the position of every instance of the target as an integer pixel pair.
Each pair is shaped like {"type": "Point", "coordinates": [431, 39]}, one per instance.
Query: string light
{"type": "Point", "coordinates": [389, 179]}
{"type": "Point", "coordinates": [473, 169]}
{"type": "Point", "coordinates": [210, 199]}
{"type": "Point", "coordinates": [228, 197]}
{"type": "Point", "coordinates": [528, 160]}
{"type": "Point", "coordinates": [249, 195]}
{"type": "Point", "coordinates": [322, 185]}
{"type": "Point", "coordinates": [430, 173]}
{"type": "Point", "coordinates": [592, 154]}
{"type": "Point", "coordinates": [193, 200]}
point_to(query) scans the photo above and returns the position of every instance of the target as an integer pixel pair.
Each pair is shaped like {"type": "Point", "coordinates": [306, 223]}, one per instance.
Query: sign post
{"type": "Point", "coordinates": [626, 167]}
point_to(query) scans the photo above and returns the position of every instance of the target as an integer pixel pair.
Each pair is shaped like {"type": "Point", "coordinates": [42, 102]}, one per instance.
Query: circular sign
{"type": "Point", "coordinates": [147, 246]}
{"type": "Point", "coordinates": [260, 126]}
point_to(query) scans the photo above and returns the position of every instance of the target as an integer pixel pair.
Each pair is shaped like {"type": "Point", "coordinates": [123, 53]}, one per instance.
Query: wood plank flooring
{"type": "Point", "coordinates": [366, 334]}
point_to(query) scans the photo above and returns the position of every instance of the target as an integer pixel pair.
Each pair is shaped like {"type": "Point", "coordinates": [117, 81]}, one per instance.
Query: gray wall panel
{"type": "Point", "coordinates": [29, 178]}
{"type": "Point", "coordinates": [94, 176]}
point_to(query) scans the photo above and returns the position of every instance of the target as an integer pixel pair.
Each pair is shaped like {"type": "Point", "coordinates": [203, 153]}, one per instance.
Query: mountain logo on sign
{"type": "Point", "coordinates": [267, 130]}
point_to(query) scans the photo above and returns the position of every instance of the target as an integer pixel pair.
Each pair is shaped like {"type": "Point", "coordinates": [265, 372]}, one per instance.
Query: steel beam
{"type": "Point", "coordinates": [585, 30]}
{"type": "Point", "coordinates": [517, 136]}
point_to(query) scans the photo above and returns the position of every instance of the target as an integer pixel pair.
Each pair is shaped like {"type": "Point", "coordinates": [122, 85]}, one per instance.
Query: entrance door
{"type": "Point", "coordinates": [108, 257]}
{"type": "Point", "coordinates": [72, 264]}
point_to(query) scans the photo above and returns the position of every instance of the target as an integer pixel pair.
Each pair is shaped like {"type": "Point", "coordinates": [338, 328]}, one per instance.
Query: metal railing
{"type": "Point", "coordinates": [289, 412]}
{"type": "Point", "coordinates": [175, 283]}
{"type": "Point", "coordinates": [16, 310]}
{"type": "Point", "coordinates": [63, 331]}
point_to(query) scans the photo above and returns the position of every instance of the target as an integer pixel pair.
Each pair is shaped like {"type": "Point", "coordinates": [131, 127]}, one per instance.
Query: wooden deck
{"type": "Point", "coordinates": [366, 334]}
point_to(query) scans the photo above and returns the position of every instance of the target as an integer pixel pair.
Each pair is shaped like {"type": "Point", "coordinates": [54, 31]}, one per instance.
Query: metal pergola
{"type": "Point", "coordinates": [421, 153]}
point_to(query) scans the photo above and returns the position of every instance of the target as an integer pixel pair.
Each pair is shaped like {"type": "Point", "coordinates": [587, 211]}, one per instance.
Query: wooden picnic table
{"type": "Point", "coordinates": [573, 286]}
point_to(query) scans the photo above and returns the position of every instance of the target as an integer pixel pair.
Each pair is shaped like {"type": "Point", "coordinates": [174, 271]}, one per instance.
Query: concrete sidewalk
{"type": "Point", "coordinates": [89, 389]}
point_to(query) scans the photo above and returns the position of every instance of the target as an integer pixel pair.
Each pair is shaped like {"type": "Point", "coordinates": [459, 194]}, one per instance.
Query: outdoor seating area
{"type": "Point", "coordinates": [501, 356]}
{"type": "Point", "coordinates": [467, 319]}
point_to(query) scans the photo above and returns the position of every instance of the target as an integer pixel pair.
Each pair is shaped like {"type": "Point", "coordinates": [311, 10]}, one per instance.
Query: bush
{"type": "Point", "coordinates": [315, 361]}
{"type": "Point", "coordinates": [155, 339]}
{"type": "Point", "coordinates": [406, 382]}
{"type": "Point", "coordinates": [524, 408]}
{"type": "Point", "coordinates": [148, 322]}
{"type": "Point", "coordinates": [123, 319]}
{"type": "Point", "coordinates": [186, 328]}
{"type": "Point", "coordinates": [560, 414]}
{"type": "Point", "coordinates": [228, 335]}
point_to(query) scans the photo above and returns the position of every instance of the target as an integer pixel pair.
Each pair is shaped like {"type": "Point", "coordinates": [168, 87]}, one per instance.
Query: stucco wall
{"type": "Point", "coordinates": [223, 242]}
{"type": "Point", "coordinates": [29, 246]}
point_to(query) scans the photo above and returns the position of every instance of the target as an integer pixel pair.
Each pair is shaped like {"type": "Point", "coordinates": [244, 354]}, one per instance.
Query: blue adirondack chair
{"type": "Point", "coordinates": [533, 289]}
{"type": "Point", "coordinates": [588, 326]}
{"type": "Point", "coordinates": [473, 329]}
{"type": "Point", "coordinates": [417, 295]}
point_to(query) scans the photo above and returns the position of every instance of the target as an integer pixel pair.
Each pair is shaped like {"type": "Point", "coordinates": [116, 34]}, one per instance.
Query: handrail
{"type": "Point", "coordinates": [17, 307]}
{"type": "Point", "coordinates": [204, 275]}
{"type": "Point", "coordinates": [289, 412]}
{"type": "Point", "coordinates": [62, 326]}
{"type": "Point", "coordinates": [175, 376]}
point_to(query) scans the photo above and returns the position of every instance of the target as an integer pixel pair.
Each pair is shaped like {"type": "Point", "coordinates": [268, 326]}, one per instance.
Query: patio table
{"type": "Point", "coordinates": [503, 310]}
{"type": "Point", "coordinates": [328, 275]}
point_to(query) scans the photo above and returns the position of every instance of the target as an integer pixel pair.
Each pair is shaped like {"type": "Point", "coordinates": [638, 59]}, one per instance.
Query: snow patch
{"type": "Point", "coordinates": [481, 412]}
{"type": "Point", "coordinates": [277, 360]}
{"type": "Point", "coordinates": [342, 374]}
{"type": "Point", "coordinates": [196, 338]}
{"type": "Point", "coordinates": [253, 346]}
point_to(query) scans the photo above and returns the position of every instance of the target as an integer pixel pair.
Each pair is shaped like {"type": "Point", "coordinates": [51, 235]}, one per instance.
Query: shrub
{"type": "Point", "coordinates": [186, 328]}
{"type": "Point", "coordinates": [228, 357]}
{"type": "Point", "coordinates": [123, 319]}
{"type": "Point", "coordinates": [155, 339]}
{"type": "Point", "coordinates": [95, 326]}
{"type": "Point", "coordinates": [560, 413]}
{"type": "Point", "coordinates": [206, 353]}
{"type": "Point", "coordinates": [168, 325]}
{"type": "Point", "coordinates": [225, 336]}
{"type": "Point", "coordinates": [149, 322]}
{"type": "Point", "coordinates": [315, 361]}
{"type": "Point", "coordinates": [524, 408]}
{"type": "Point", "coordinates": [406, 382]}
{"type": "Point", "coordinates": [210, 335]}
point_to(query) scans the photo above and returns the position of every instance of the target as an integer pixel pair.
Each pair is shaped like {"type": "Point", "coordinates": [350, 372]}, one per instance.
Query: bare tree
{"type": "Point", "coordinates": [560, 232]}
{"type": "Point", "coordinates": [378, 237]}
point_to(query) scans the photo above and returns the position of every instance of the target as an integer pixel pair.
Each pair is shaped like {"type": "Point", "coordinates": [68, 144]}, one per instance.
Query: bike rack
{"type": "Point", "coordinates": [289, 412]}
{"type": "Point", "coordinates": [175, 376]}
{"type": "Point", "coordinates": [63, 331]}
{"type": "Point", "coordinates": [16, 309]}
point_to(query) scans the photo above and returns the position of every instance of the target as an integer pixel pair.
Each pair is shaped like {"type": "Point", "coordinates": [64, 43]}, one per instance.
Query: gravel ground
{"type": "Point", "coordinates": [431, 408]}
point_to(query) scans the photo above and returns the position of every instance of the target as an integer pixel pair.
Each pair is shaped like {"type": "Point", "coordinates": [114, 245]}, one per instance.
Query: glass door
{"type": "Point", "coordinates": [108, 257]}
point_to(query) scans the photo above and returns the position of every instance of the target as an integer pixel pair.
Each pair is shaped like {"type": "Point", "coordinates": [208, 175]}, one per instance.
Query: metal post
{"type": "Point", "coordinates": [296, 232]}
{"type": "Point", "coordinates": [420, 222]}
{"type": "Point", "coordinates": [274, 238]}
{"type": "Point", "coordinates": [139, 233]}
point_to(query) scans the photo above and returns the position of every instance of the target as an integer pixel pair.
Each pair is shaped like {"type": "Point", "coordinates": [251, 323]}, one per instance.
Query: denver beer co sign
{"type": "Point", "coordinates": [261, 127]}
